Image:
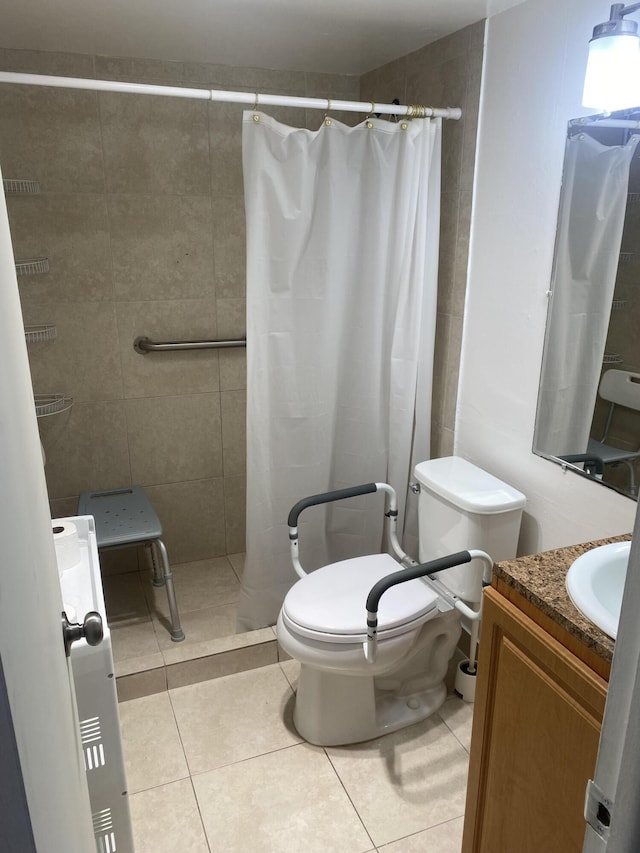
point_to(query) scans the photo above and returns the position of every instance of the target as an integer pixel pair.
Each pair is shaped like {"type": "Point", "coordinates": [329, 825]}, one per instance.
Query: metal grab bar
{"type": "Point", "coordinates": [143, 345]}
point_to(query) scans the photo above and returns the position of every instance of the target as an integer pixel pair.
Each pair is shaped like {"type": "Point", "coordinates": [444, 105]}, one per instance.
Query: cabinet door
{"type": "Point", "coordinates": [535, 738]}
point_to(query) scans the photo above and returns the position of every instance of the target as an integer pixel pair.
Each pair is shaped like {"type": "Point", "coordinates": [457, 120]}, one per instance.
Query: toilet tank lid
{"type": "Point", "coordinates": [467, 486]}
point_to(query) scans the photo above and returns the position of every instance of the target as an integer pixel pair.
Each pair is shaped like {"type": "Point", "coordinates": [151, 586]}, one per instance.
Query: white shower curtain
{"type": "Point", "coordinates": [342, 253]}
{"type": "Point", "coordinates": [590, 223]}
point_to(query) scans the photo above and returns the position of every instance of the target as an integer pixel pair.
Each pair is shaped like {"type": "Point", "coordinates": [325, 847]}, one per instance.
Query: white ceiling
{"type": "Point", "coordinates": [338, 36]}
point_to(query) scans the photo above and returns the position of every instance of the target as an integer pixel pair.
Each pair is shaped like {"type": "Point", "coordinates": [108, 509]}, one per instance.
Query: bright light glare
{"type": "Point", "coordinates": [612, 81]}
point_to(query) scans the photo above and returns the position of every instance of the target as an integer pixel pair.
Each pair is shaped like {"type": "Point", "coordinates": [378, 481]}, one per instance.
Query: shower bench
{"type": "Point", "coordinates": [126, 517]}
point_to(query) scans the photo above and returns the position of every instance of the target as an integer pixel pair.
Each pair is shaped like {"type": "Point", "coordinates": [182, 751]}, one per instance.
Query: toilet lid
{"type": "Point", "coordinates": [332, 600]}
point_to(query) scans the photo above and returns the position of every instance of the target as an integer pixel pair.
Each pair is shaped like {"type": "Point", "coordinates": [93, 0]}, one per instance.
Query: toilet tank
{"type": "Point", "coordinates": [462, 507]}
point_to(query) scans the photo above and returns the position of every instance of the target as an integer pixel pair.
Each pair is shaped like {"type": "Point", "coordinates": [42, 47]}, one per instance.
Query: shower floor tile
{"type": "Point", "coordinates": [254, 785]}
{"type": "Point", "coordinates": [207, 593]}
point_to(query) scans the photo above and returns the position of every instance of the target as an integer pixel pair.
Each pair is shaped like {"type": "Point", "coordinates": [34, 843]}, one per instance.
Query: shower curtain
{"type": "Point", "coordinates": [589, 236]}
{"type": "Point", "coordinates": [342, 253]}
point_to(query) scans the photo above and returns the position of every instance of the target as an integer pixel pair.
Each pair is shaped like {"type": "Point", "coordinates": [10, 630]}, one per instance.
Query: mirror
{"type": "Point", "coordinates": [588, 415]}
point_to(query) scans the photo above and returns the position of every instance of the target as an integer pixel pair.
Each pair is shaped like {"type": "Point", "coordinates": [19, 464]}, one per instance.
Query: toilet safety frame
{"type": "Point", "coordinates": [411, 571]}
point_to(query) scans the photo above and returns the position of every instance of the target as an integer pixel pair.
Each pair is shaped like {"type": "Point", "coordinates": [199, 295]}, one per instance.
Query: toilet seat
{"type": "Point", "coordinates": [329, 604]}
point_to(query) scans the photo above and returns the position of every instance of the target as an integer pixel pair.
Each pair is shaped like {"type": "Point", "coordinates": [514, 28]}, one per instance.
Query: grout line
{"type": "Point", "coordinates": [349, 797]}
{"type": "Point", "coordinates": [204, 828]}
{"type": "Point", "coordinates": [420, 831]}
{"type": "Point", "coordinates": [247, 759]}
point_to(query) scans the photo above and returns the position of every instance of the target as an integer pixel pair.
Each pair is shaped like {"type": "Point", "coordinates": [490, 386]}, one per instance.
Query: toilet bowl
{"type": "Point", "coordinates": [355, 684]}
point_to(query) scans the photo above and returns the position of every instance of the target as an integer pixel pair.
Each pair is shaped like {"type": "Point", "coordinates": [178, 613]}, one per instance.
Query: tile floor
{"type": "Point", "coordinates": [218, 766]}
{"type": "Point", "coordinates": [207, 594]}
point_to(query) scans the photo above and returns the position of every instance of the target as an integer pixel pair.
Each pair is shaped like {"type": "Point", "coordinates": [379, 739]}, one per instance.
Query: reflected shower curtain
{"type": "Point", "coordinates": [589, 236]}
{"type": "Point", "coordinates": [342, 249]}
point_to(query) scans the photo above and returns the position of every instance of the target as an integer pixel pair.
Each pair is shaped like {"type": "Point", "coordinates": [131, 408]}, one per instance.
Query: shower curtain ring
{"type": "Point", "coordinates": [326, 119]}
{"type": "Point", "coordinates": [256, 117]}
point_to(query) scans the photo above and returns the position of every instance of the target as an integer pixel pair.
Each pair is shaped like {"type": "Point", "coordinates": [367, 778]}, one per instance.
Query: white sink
{"type": "Point", "coordinates": [595, 583]}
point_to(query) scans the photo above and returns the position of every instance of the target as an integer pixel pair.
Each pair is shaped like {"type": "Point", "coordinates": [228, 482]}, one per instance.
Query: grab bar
{"type": "Point", "coordinates": [143, 345]}
{"type": "Point", "coordinates": [413, 572]}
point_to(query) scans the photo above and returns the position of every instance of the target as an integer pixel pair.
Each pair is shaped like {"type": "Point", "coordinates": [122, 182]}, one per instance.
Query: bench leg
{"type": "Point", "coordinates": [157, 579]}
{"type": "Point", "coordinates": [158, 548]}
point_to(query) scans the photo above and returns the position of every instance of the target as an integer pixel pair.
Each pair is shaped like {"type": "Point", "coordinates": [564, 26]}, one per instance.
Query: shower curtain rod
{"type": "Point", "coordinates": [253, 100]}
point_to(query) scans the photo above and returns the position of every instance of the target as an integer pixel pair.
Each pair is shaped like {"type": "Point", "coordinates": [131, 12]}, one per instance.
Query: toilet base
{"type": "Point", "coordinates": [335, 710]}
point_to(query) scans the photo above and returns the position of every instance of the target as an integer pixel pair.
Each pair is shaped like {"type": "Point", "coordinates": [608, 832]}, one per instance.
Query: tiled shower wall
{"type": "Point", "coordinates": [141, 217]}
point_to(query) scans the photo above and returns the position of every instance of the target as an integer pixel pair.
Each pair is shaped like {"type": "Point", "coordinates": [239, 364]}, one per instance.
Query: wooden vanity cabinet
{"type": "Point", "coordinates": [536, 727]}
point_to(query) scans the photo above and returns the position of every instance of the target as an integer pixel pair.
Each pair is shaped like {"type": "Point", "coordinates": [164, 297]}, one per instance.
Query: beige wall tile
{"type": "Point", "coordinates": [229, 246]}
{"type": "Point", "coordinates": [154, 145]}
{"type": "Point", "coordinates": [225, 128]}
{"type": "Point", "coordinates": [86, 449]}
{"type": "Point", "coordinates": [233, 370]}
{"type": "Point", "coordinates": [113, 67]}
{"type": "Point", "coordinates": [235, 503]}
{"type": "Point", "coordinates": [226, 173]}
{"type": "Point", "coordinates": [461, 255]}
{"type": "Point", "coordinates": [233, 405]}
{"type": "Point", "coordinates": [119, 561]}
{"type": "Point", "coordinates": [269, 80]}
{"type": "Point", "coordinates": [71, 230]}
{"type": "Point", "coordinates": [167, 818]}
{"type": "Point", "coordinates": [441, 440]}
{"type": "Point", "coordinates": [168, 373]}
{"type": "Point", "coordinates": [232, 317]}
{"type": "Point", "coordinates": [172, 439]}
{"type": "Point", "coordinates": [446, 369]}
{"type": "Point", "coordinates": [385, 83]}
{"type": "Point", "coordinates": [192, 516]}
{"type": "Point", "coordinates": [51, 136]}
{"type": "Point", "coordinates": [46, 62]}
{"type": "Point", "coordinates": [334, 87]}
{"type": "Point", "coordinates": [83, 361]}
{"type": "Point", "coordinates": [162, 246]}
{"type": "Point", "coordinates": [64, 507]}
{"type": "Point", "coordinates": [449, 203]}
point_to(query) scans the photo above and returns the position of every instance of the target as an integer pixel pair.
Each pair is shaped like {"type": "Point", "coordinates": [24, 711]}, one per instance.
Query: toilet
{"type": "Point", "coordinates": [345, 694]}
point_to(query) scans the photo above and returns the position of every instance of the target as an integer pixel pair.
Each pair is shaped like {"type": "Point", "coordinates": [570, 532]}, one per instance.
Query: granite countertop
{"type": "Point", "coordinates": [540, 579]}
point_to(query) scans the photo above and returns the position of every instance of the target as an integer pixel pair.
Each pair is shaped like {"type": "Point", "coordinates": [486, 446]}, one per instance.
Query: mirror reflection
{"type": "Point", "coordinates": [589, 398]}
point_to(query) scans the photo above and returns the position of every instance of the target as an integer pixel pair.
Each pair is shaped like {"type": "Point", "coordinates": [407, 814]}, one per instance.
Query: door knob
{"type": "Point", "coordinates": [90, 630]}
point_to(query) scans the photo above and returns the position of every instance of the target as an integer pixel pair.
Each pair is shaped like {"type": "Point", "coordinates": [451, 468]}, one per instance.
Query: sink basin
{"type": "Point", "coordinates": [595, 583]}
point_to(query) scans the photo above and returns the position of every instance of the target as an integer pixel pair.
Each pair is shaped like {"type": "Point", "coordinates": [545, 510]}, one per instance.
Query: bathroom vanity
{"type": "Point", "coordinates": [542, 684]}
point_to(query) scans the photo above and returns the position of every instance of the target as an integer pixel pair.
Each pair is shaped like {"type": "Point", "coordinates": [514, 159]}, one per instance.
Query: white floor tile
{"type": "Point", "coordinates": [167, 820]}
{"type": "Point", "coordinates": [405, 782]}
{"type": "Point", "coordinates": [444, 838]}
{"type": "Point", "coordinates": [235, 717]}
{"type": "Point", "coordinates": [283, 802]}
{"type": "Point", "coordinates": [152, 750]}
{"type": "Point", "coordinates": [458, 716]}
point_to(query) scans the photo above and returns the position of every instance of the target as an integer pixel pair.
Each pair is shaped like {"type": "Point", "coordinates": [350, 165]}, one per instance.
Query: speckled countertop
{"type": "Point", "coordinates": [540, 579]}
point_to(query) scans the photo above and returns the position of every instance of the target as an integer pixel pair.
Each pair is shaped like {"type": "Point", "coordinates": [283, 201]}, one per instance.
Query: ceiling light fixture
{"type": "Point", "coordinates": [612, 81]}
